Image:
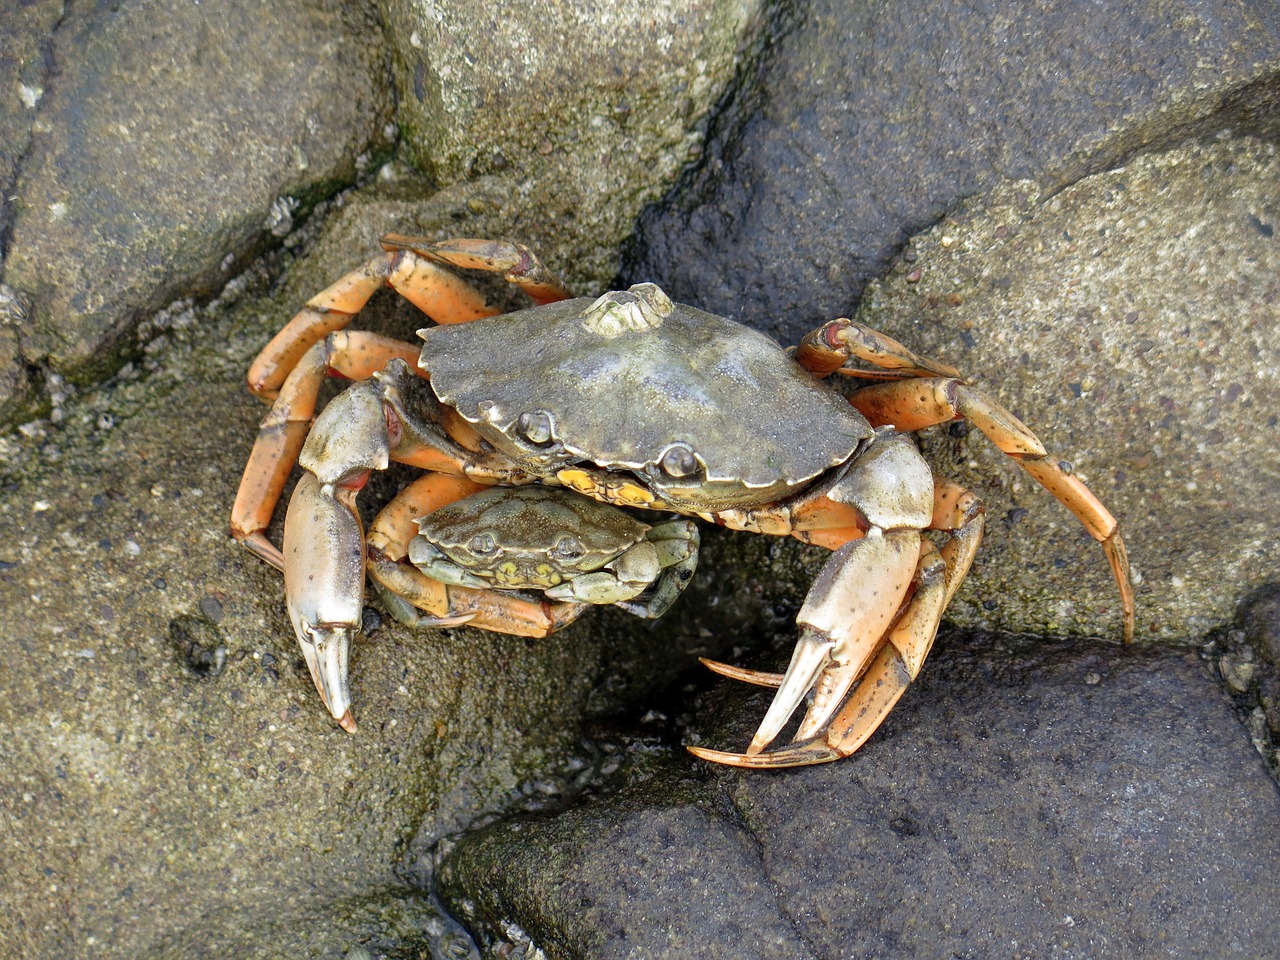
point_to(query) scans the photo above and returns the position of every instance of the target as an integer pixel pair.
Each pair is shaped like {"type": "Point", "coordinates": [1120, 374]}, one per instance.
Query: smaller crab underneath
{"type": "Point", "coordinates": [568, 547]}
{"type": "Point", "coordinates": [630, 401]}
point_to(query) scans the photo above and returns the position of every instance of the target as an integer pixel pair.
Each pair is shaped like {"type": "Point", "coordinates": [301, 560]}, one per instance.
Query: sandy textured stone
{"type": "Point", "coordinates": [25, 33]}
{"type": "Point", "coordinates": [165, 136]}
{"type": "Point", "coordinates": [1133, 320]}
{"type": "Point", "coordinates": [171, 785]}
{"type": "Point", "coordinates": [866, 122]}
{"type": "Point", "coordinates": [587, 110]}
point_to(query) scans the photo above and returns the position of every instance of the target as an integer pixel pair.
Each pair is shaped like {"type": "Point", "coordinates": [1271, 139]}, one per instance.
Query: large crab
{"type": "Point", "coordinates": [638, 402]}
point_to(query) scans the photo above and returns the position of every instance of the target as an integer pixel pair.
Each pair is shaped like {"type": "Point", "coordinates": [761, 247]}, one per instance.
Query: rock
{"type": "Point", "coordinates": [1247, 655]}
{"type": "Point", "coordinates": [24, 72]}
{"type": "Point", "coordinates": [158, 166]}
{"type": "Point", "coordinates": [18, 391]}
{"type": "Point", "coordinates": [587, 112]}
{"type": "Point", "coordinates": [661, 871]}
{"type": "Point", "coordinates": [1132, 320]}
{"type": "Point", "coordinates": [1261, 622]}
{"type": "Point", "coordinates": [173, 786]}
{"type": "Point", "coordinates": [1073, 800]}
{"type": "Point", "coordinates": [867, 122]}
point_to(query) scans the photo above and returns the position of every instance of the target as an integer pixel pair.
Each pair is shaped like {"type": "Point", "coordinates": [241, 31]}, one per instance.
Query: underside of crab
{"type": "Point", "coordinates": [543, 432]}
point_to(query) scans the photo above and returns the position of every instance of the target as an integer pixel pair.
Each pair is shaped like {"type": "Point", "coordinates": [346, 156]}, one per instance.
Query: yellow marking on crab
{"type": "Point", "coordinates": [579, 480]}
{"type": "Point", "coordinates": [629, 495]}
{"type": "Point", "coordinates": [623, 493]}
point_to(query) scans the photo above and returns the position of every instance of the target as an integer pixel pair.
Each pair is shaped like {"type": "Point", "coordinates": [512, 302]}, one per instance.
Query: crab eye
{"type": "Point", "coordinates": [679, 461]}
{"type": "Point", "coordinates": [535, 426]}
{"type": "Point", "coordinates": [569, 547]}
{"type": "Point", "coordinates": [482, 544]}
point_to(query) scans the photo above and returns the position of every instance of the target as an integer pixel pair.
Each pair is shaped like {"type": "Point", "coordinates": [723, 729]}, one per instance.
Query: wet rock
{"type": "Point", "coordinates": [1074, 801]}
{"type": "Point", "coordinates": [587, 112]}
{"type": "Point", "coordinates": [167, 755]}
{"type": "Point", "coordinates": [867, 122]}
{"type": "Point", "coordinates": [661, 871]}
{"type": "Point", "coordinates": [387, 923]}
{"type": "Point", "coordinates": [19, 395]}
{"type": "Point", "coordinates": [25, 32]}
{"type": "Point", "coordinates": [159, 164]}
{"type": "Point", "coordinates": [172, 787]}
{"type": "Point", "coordinates": [1247, 656]}
{"type": "Point", "coordinates": [1133, 321]}
{"type": "Point", "coordinates": [1261, 623]}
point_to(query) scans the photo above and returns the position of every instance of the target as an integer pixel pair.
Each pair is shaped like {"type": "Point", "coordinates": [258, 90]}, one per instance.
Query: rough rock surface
{"type": "Point", "coordinates": [168, 758]}
{"type": "Point", "coordinates": [587, 110]}
{"type": "Point", "coordinates": [24, 71]}
{"type": "Point", "coordinates": [169, 786]}
{"type": "Point", "coordinates": [158, 167]}
{"type": "Point", "coordinates": [1133, 319]}
{"type": "Point", "coordinates": [869, 121]}
{"type": "Point", "coordinates": [1070, 801]}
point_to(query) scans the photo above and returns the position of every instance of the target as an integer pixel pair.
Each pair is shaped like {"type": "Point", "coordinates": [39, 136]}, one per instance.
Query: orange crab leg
{"type": "Point", "coordinates": [914, 404]}
{"type": "Point", "coordinates": [275, 451]}
{"type": "Point", "coordinates": [826, 351]}
{"type": "Point", "coordinates": [960, 514]}
{"type": "Point", "coordinates": [516, 262]}
{"type": "Point", "coordinates": [388, 547]}
{"type": "Point", "coordinates": [441, 294]}
{"type": "Point", "coordinates": [941, 395]}
{"type": "Point", "coordinates": [884, 671]}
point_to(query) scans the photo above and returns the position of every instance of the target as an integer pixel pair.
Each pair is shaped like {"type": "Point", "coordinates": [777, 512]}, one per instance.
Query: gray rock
{"type": "Point", "coordinates": [1133, 320]}
{"type": "Point", "coordinates": [588, 112]}
{"type": "Point", "coordinates": [1070, 801]}
{"type": "Point", "coordinates": [171, 142]}
{"type": "Point", "coordinates": [19, 396]}
{"type": "Point", "coordinates": [25, 30]}
{"type": "Point", "coordinates": [867, 122]}
{"type": "Point", "coordinates": [172, 786]}
{"type": "Point", "coordinates": [1247, 655]}
{"type": "Point", "coordinates": [661, 871]}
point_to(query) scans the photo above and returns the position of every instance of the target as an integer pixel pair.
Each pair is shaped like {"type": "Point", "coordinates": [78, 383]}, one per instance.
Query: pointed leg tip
{"type": "Point", "coordinates": [720, 756]}
{"type": "Point", "coordinates": [794, 756]}
{"type": "Point", "coordinates": [757, 678]}
{"type": "Point", "coordinates": [347, 722]}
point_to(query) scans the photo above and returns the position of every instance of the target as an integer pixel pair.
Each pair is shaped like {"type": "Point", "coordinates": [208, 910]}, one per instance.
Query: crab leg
{"type": "Point", "coordinates": [843, 620]}
{"type": "Point", "coordinates": [408, 589]}
{"type": "Point", "coordinates": [913, 404]}
{"type": "Point", "coordinates": [879, 664]}
{"type": "Point", "coordinates": [516, 262]}
{"type": "Point", "coordinates": [826, 351]}
{"type": "Point", "coordinates": [324, 586]}
{"type": "Point", "coordinates": [849, 722]}
{"type": "Point", "coordinates": [284, 430]}
{"type": "Point", "coordinates": [442, 295]}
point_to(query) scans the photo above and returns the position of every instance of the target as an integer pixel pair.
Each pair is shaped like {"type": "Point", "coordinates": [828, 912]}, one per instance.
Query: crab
{"type": "Point", "coordinates": [544, 432]}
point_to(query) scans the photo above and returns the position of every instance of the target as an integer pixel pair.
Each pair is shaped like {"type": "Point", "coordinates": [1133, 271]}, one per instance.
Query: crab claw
{"type": "Point", "coordinates": [324, 585]}
{"type": "Point", "coordinates": [856, 719]}
{"type": "Point", "coordinates": [844, 623]}
{"type": "Point", "coordinates": [812, 654]}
